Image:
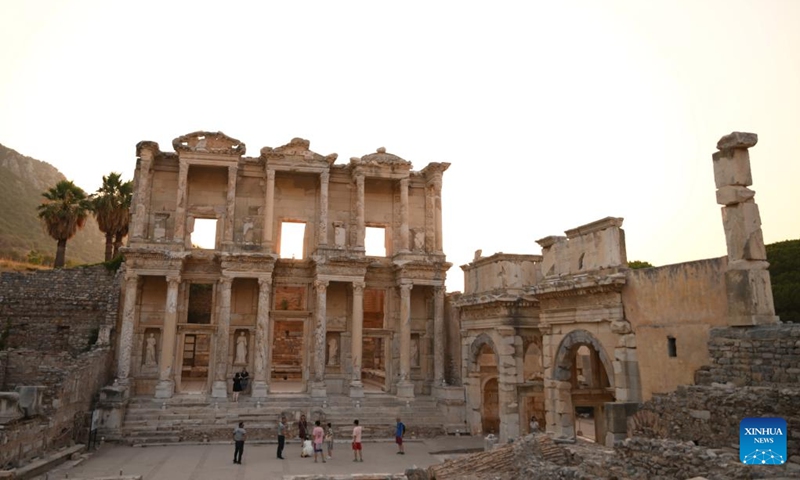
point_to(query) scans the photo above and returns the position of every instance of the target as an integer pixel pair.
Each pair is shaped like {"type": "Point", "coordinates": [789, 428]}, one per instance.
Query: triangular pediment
{"type": "Point", "coordinates": [209, 142]}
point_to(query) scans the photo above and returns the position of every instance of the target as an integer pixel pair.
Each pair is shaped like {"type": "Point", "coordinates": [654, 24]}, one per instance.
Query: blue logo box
{"type": "Point", "coordinates": [762, 441]}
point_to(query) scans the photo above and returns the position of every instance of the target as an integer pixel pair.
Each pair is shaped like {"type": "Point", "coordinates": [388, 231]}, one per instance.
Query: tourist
{"type": "Point", "coordinates": [245, 378]}
{"type": "Point", "coordinates": [239, 434]}
{"type": "Point", "coordinates": [329, 439]}
{"type": "Point", "coordinates": [302, 432]}
{"type": "Point", "coordinates": [237, 386]}
{"type": "Point", "coordinates": [281, 436]}
{"type": "Point", "coordinates": [358, 456]}
{"type": "Point", "coordinates": [319, 435]}
{"type": "Point", "coordinates": [534, 425]}
{"type": "Point", "coordinates": [400, 430]}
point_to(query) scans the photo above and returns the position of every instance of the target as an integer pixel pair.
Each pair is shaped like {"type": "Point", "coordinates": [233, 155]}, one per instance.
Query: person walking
{"type": "Point", "coordinates": [319, 435]}
{"type": "Point", "coordinates": [329, 440]}
{"type": "Point", "coordinates": [239, 435]}
{"type": "Point", "coordinates": [399, 431]}
{"type": "Point", "coordinates": [358, 455]}
{"type": "Point", "coordinates": [281, 436]}
{"type": "Point", "coordinates": [237, 386]}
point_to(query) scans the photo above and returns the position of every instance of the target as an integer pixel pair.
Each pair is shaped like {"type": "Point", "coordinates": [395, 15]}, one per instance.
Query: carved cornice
{"type": "Point", "coordinates": [577, 285]}
{"type": "Point", "coordinates": [297, 150]}
{"type": "Point", "coordinates": [209, 142]}
{"type": "Point", "coordinates": [380, 157]}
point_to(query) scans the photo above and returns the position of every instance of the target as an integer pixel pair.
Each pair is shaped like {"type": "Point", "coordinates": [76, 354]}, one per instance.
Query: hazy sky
{"type": "Point", "coordinates": [552, 114]}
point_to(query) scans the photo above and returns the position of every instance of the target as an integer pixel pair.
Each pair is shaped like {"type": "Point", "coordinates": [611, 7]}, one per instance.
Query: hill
{"type": "Point", "coordinates": [22, 181]}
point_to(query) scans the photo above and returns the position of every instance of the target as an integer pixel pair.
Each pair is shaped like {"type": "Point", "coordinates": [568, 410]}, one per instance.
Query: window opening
{"type": "Point", "coordinates": [292, 239]}
{"type": "Point", "coordinates": [672, 347]}
{"type": "Point", "coordinates": [205, 233]}
{"type": "Point", "coordinates": [375, 242]}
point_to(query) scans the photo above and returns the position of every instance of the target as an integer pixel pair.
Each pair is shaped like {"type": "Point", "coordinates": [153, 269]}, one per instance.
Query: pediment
{"type": "Point", "coordinates": [380, 157]}
{"type": "Point", "coordinates": [209, 142]}
{"type": "Point", "coordinates": [298, 149]}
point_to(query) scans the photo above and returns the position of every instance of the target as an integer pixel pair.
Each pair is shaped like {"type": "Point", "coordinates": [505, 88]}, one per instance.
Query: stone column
{"type": "Point", "coordinates": [180, 204]}
{"type": "Point", "coordinates": [357, 343]}
{"type": "Point", "coordinates": [747, 280]}
{"type": "Point", "coordinates": [320, 332]}
{"type": "Point", "coordinates": [139, 220]}
{"type": "Point", "coordinates": [166, 382]}
{"type": "Point", "coordinates": [437, 203]}
{"type": "Point", "coordinates": [438, 336]}
{"type": "Point", "coordinates": [324, 178]}
{"type": "Point", "coordinates": [231, 203]}
{"type": "Point", "coordinates": [405, 388]}
{"type": "Point", "coordinates": [430, 219]}
{"type": "Point", "coordinates": [126, 332]}
{"type": "Point", "coordinates": [269, 210]}
{"type": "Point", "coordinates": [220, 386]}
{"type": "Point", "coordinates": [360, 221]}
{"type": "Point", "coordinates": [404, 244]}
{"type": "Point", "coordinates": [261, 375]}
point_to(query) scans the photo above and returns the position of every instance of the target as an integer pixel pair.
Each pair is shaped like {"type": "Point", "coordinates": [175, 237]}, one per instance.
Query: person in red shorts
{"type": "Point", "coordinates": [357, 454]}
{"type": "Point", "coordinates": [398, 436]}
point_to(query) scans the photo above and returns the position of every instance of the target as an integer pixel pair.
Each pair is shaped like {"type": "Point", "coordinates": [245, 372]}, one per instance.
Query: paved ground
{"type": "Point", "coordinates": [215, 461]}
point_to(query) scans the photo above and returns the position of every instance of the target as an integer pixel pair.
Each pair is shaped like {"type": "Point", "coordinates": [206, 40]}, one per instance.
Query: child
{"type": "Point", "coordinates": [329, 439]}
{"type": "Point", "coordinates": [357, 455]}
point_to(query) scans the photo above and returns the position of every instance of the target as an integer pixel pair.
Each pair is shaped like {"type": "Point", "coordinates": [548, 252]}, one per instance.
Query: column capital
{"type": "Point", "coordinates": [405, 288]}
{"type": "Point", "coordinates": [173, 278]}
{"type": "Point", "coordinates": [439, 290]}
{"type": "Point", "coordinates": [321, 285]}
{"type": "Point", "coordinates": [225, 281]}
{"type": "Point", "coordinates": [265, 282]}
{"type": "Point", "coordinates": [270, 174]}
{"type": "Point", "coordinates": [324, 175]}
{"type": "Point", "coordinates": [233, 169]}
{"type": "Point", "coordinates": [358, 287]}
{"type": "Point", "coordinates": [131, 276]}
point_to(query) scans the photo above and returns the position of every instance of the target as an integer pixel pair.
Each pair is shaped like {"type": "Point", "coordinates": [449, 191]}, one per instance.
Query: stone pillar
{"type": "Point", "coordinates": [139, 221]}
{"type": "Point", "coordinates": [405, 388]}
{"type": "Point", "coordinates": [180, 204]}
{"type": "Point", "coordinates": [747, 280]}
{"type": "Point", "coordinates": [404, 243]}
{"type": "Point", "coordinates": [261, 375]}
{"type": "Point", "coordinates": [357, 343]}
{"type": "Point", "coordinates": [438, 336]}
{"type": "Point", "coordinates": [324, 178]}
{"type": "Point", "coordinates": [430, 219]}
{"type": "Point", "coordinates": [320, 332]}
{"type": "Point", "coordinates": [166, 382]}
{"type": "Point", "coordinates": [231, 203]}
{"type": "Point", "coordinates": [269, 210]}
{"type": "Point", "coordinates": [220, 386]}
{"type": "Point", "coordinates": [437, 203]}
{"type": "Point", "coordinates": [360, 221]}
{"type": "Point", "coordinates": [126, 332]}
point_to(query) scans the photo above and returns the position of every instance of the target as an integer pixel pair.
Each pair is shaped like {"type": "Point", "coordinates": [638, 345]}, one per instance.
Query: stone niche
{"type": "Point", "coordinates": [151, 346]}
{"type": "Point", "coordinates": [242, 346]}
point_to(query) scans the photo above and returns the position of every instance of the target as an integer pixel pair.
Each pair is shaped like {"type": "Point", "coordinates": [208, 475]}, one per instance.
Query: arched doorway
{"type": "Point", "coordinates": [490, 409]}
{"type": "Point", "coordinates": [483, 389]}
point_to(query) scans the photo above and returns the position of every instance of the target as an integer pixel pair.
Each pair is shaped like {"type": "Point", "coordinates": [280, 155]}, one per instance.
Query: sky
{"type": "Point", "coordinates": [552, 114]}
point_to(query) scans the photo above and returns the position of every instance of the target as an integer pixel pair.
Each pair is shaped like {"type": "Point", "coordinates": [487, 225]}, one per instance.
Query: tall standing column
{"type": "Point", "coordinates": [405, 388]}
{"type": "Point", "coordinates": [430, 219]}
{"type": "Point", "coordinates": [360, 220]}
{"type": "Point", "coordinates": [261, 375]}
{"type": "Point", "coordinates": [269, 210]}
{"type": "Point", "coordinates": [324, 178]}
{"type": "Point", "coordinates": [356, 345]}
{"type": "Point", "coordinates": [220, 387]}
{"type": "Point", "coordinates": [438, 336]}
{"type": "Point", "coordinates": [126, 332]}
{"type": "Point", "coordinates": [320, 332]}
{"type": "Point", "coordinates": [139, 222]}
{"type": "Point", "coordinates": [166, 382]}
{"type": "Point", "coordinates": [404, 245]}
{"type": "Point", "coordinates": [231, 203]}
{"type": "Point", "coordinates": [437, 202]}
{"type": "Point", "coordinates": [180, 204]}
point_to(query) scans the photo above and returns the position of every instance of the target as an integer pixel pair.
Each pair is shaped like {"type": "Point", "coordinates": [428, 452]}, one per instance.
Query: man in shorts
{"type": "Point", "coordinates": [400, 430]}
{"type": "Point", "coordinates": [319, 435]}
{"type": "Point", "coordinates": [357, 455]}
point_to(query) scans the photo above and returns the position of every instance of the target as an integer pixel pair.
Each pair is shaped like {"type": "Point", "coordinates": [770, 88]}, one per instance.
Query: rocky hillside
{"type": "Point", "coordinates": [22, 181]}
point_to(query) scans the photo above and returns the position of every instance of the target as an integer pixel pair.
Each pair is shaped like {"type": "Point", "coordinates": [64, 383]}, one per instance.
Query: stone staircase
{"type": "Point", "coordinates": [198, 418]}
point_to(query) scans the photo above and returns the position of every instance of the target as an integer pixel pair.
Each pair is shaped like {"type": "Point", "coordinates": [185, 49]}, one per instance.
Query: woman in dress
{"type": "Point", "coordinates": [237, 386]}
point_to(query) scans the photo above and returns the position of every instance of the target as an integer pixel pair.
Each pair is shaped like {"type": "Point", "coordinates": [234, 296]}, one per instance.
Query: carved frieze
{"type": "Point", "coordinates": [209, 142]}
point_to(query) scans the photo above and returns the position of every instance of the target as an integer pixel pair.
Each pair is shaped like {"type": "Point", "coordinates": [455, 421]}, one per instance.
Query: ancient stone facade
{"type": "Point", "coordinates": [332, 317]}
{"type": "Point", "coordinates": [573, 332]}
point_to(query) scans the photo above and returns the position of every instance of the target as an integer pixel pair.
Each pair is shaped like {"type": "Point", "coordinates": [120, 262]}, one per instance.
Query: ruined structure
{"type": "Point", "coordinates": [330, 317]}
{"type": "Point", "coordinates": [574, 333]}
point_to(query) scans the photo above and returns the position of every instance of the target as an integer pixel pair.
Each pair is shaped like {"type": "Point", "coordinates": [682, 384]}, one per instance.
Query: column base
{"type": "Point", "coordinates": [405, 390]}
{"type": "Point", "coordinates": [318, 390]}
{"type": "Point", "coordinates": [260, 390]}
{"type": "Point", "coordinates": [356, 390]}
{"type": "Point", "coordinates": [165, 389]}
{"type": "Point", "coordinates": [219, 390]}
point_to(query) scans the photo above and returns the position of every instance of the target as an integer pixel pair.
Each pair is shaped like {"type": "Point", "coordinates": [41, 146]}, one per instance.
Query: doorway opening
{"type": "Point", "coordinates": [292, 240]}
{"type": "Point", "coordinates": [373, 370]}
{"type": "Point", "coordinates": [287, 356]}
{"type": "Point", "coordinates": [194, 362]}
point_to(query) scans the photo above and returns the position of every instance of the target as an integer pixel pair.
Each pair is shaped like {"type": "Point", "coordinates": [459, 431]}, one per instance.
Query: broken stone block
{"type": "Point", "coordinates": [733, 194]}
{"type": "Point", "coordinates": [742, 224]}
{"type": "Point", "coordinates": [732, 167]}
{"type": "Point", "coordinates": [750, 297]}
{"type": "Point", "coordinates": [9, 407]}
{"type": "Point", "coordinates": [737, 140]}
{"type": "Point", "coordinates": [30, 399]}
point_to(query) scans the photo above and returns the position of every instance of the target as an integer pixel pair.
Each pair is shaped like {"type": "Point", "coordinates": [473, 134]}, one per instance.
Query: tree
{"type": "Point", "coordinates": [634, 264]}
{"type": "Point", "coordinates": [111, 205]}
{"type": "Point", "coordinates": [784, 272]}
{"type": "Point", "coordinates": [64, 212]}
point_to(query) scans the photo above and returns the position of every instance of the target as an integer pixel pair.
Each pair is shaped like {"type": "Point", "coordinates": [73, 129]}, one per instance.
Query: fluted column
{"type": "Point", "coordinates": [180, 204]}
{"type": "Point", "coordinates": [220, 387]}
{"type": "Point", "coordinates": [261, 375]}
{"type": "Point", "coordinates": [404, 244]}
{"type": "Point", "coordinates": [126, 332]}
{"type": "Point", "coordinates": [269, 210]}
{"type": "Point", "coordinates": [166, 382]}
{"type": "Point", "coordinates": [357, 343]}
{"type": "Point", "coordinates": [231, 203]}
{"type": "Point", "coordinates": [438, 336]}
{"type": "Point", "coordinates": [437, 202]}
{"type": "Point", "coordinates": [139, 221]}
{"type": "Point", "coordinates": [324, 178]}
{"type": "Point", "coordinates": [320, 332]}
{"type": "Point", "coordinates": [405, 388]}
{"type": "Point", "coordinates": [360, 220]}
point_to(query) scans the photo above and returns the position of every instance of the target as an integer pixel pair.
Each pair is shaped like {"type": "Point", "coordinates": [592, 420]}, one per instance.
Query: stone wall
{"type": "Point", "coordinates": [58, 310]}
{"type": "Point", "coordinates": [765, 355]}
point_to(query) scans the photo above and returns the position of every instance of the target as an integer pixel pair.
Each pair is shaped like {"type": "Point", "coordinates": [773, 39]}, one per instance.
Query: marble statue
{"type": "Point", "coordinates": [150, 351]}
{"type": "Point", "coordinates": [333, 351]}
{"type": "Point", "coordinates": [415, 352]}
{"type": "Point", "coordinates": [241, 349]}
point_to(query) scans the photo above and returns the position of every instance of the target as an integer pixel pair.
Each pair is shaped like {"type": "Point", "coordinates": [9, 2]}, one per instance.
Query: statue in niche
{"type": "Point", "coordinates": [160, 227]}
{"type": "Point", "coordinates": [247, 230]}
{"type": "Point", "coordinates": [150, 351]}
{"type": "Point", "coordinates": [415, 352]}
{"type": "Point", "coordinates": [333, 351]}
{"type": "Point", "coordinates": [241, 349]}
{"type": "Point", "coordinates": [419, 240]}
{"type": "Point", "coordinates": [339, 234]}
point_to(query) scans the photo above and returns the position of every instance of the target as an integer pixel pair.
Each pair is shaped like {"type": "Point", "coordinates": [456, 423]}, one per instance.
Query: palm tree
{"type": "Point", "coordinates": [111, 205]}
{"type": "Point", "coordinates": [64, 212]}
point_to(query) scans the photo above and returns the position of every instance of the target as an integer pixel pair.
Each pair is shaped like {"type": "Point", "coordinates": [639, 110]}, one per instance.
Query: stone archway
{"type": "Point", "coordinates": [490, 407]}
